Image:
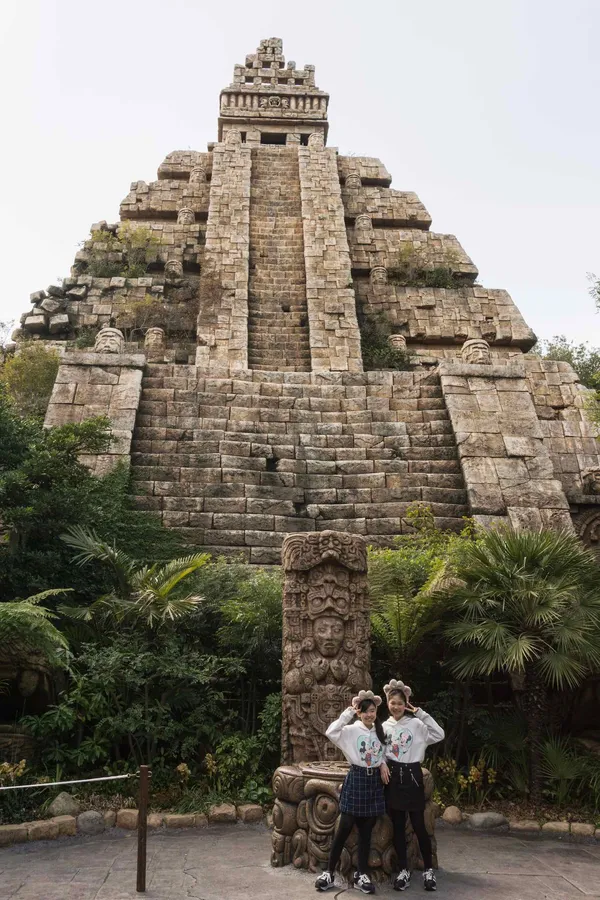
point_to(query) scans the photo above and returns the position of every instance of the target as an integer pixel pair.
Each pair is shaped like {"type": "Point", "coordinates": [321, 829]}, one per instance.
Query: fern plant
{"type": "Point", "coordinates": [26, 626]}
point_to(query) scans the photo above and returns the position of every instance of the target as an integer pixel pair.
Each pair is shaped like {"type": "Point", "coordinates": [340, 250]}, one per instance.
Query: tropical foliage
{"type": "Point", "coordinates": [527, 605]}
{"type": "Point", "coordinates": [164, 656]}
{"type": "Point", "coordinates": [140, 593]}
{"type": "Point", "coordinates": [25, 625]}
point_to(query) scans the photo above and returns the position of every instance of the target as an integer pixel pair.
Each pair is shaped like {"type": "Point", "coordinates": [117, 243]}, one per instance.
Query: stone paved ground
{"type": "Point", "coordinates": [232, 862]}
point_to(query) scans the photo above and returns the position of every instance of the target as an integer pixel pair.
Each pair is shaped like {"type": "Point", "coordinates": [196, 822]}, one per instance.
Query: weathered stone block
{"type": "Point", "coordinates": [179, 821]}
{"type": "Point", "coordinates": [66, 824]}
{"type": "Point", "coordinates": [127, 818]}
{"type": "Point", "coordinates": [12, 834]}
{"type": "Point", "coordinates": [479, 470]}
{"type": "Point", "coordinates": [43, 830]}
{"type": "Point", "coordinates": [250, 812]}
{"type": "Point", "coordinates": [486, 499]}
{"type": "Point", "coordinates": [58, 323]}
{"type": "Point", "coordinates": [222, 813]}
{"type": "Point", "coordinates": [559, 828]}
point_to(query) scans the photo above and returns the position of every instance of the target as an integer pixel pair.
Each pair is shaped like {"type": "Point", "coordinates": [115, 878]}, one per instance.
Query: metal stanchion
{"type": "Point", "coordinates": [142, 829]}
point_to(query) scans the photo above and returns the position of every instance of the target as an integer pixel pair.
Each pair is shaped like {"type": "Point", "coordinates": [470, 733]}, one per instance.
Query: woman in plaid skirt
{"type": "Point", "coordinates": [408, 731]}
{"type": "Point", "coordinates": [362, 798]}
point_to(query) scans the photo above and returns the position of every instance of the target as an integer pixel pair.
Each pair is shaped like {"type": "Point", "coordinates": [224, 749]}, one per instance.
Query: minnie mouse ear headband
{"type": "Point", "coordinates": [366, 695]}
{"type": "Point", "coordinates": [395, 685]}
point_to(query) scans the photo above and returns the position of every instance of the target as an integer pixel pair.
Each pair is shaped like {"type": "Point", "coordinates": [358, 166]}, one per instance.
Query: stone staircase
{"type": "Point", "coordinates": [278, 315]}
{"type": "Point", "coordinates": [237, 463]}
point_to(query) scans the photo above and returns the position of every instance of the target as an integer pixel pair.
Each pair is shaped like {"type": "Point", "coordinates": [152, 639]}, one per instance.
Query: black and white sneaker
{"type": "Point", "coordinates": [429, 882]}
{"type": "Point", "coordinates": [325, 882]}
{"type": "Point", "coordinates": [364, 883]}
{"type": "Point", "coordinates": [402, 880]}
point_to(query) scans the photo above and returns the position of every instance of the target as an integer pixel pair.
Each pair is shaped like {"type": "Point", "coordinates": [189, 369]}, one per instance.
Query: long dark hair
{"type": "Point", "coordinates": [404, 697]}
{"type": "Point", "coordinates": [364, 705]}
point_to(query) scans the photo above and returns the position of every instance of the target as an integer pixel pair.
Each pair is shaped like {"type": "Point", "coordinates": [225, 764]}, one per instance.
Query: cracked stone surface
{"type": "Point", "coordinates": [233, 862]}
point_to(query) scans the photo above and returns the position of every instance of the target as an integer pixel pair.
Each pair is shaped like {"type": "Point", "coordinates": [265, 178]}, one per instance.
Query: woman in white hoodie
{"type": "Point", "coordinates": [362, 798]}
{"type": "Point", "coordinates": [408, 731]}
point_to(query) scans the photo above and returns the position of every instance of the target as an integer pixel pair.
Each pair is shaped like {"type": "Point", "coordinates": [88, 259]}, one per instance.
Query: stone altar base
{"type": "Point", "coordinates": [305, 815]}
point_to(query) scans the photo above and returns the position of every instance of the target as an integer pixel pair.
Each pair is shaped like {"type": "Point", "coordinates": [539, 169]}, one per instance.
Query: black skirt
{"type": "Point", "coordinates": [362, 792]}
{"type": "Point", "coordinates": [405, 790]}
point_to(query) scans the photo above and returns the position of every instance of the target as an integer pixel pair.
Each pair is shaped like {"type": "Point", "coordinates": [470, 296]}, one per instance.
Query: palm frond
{"type": "Point", "coordinates": [91, 547]}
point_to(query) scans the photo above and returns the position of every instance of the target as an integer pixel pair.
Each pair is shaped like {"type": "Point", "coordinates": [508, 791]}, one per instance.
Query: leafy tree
{"type": "Point", "coordinates": [594, 289]}
{"type": "Point", "coordinates": [251, 633]}
{"type": "Point", "coordinates": [527, 604]}
{"type": "Point", "coordinates": [139, 594]}
{"type": "Point", "coordinates": [584, 359]}
{"type": "Point", "coordinates": [44, 489]}
{"type": "Point", "coordinates": [29, 377]}
{"type": "Point", "coordinates": [42, 482]}
{"type": "Point", "coordinates": [135, 698]}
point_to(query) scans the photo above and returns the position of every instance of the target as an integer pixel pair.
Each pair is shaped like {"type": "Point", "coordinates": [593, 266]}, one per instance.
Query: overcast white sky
{"type": "Point", "coordinates": [487, 109]}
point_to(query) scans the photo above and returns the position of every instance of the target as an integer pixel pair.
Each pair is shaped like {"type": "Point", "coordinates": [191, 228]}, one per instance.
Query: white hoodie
{"type": "Point", "coordinates": [360, 745]}
{"type": "Point", "coordinates": [408, 737]}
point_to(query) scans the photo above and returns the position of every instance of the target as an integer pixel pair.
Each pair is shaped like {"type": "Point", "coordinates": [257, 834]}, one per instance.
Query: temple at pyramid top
{"type": "Point", "coordinates": [276, 103]}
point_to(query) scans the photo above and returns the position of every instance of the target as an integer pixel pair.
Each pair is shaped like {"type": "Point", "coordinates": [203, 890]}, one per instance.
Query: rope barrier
{"type": "Point", "coordinates": [46, 784]}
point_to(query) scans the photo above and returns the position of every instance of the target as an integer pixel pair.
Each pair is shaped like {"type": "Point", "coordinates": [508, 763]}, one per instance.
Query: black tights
{"type": "Point", "coordinates": [417, 817]}
{"type": "Point", "coordinates": [365, 825]}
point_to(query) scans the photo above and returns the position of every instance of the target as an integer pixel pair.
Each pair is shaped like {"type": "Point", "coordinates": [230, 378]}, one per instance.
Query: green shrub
{"type": "Point", "coordinates": [376, 350]}
{"type": "Point", "coordinates": [126, 253]}
{"type": "Point", "coordinates": [412, 267]}
{"type": "Point", "coordinates": [28, 378]}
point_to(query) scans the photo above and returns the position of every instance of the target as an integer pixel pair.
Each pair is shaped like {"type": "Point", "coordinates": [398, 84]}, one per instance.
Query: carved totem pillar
{"type": "Point", "coordinates": [326, 631]}
{"type": "Point", "coordinates": [326, 659]}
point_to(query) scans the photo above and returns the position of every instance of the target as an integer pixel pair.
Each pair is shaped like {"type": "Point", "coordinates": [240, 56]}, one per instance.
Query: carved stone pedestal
{"type": "Point", "coordinates": [305, 815]}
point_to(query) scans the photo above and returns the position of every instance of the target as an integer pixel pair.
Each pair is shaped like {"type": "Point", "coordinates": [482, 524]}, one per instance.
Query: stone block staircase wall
{"type": "Point", "coordinates": [236, 463]}
{"type": "Point", "coordinates": [278, 335]}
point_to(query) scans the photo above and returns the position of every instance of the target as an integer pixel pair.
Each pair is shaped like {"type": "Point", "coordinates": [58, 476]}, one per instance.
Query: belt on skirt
{"type": "Point", "coordinates": [403, 768]}
{"type": "Point", "coordinates": [369, 770]}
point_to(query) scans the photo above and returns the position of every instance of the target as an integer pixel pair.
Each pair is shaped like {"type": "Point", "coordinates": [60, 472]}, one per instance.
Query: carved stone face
{"type": "Point", "coordinates": [379, 275]}
{"type": "Point", "coordinates": [186, 216]}
{"type": "Point", "coordinates": [173, 270]}
{"type": "Point", "coordinates": [397, 341]}
{"type": "Point", "coordinates": [328, 634]}
{"type": "Point", "coordinates": [353, 181]}
{"type": "Point", "coordinates": [198, 175]}
{"type": "Point", "coordinates": [109, 340]}
{"type": "Point", "coordinates": [233, 137]}
{"type": "Point", "coordinates": [316, 139]}
{"type": "Point", "coordinates": [591, 481]}
{"type": "Point", "coordinates": [476, 352]}
{"type": "Point", "coordinates": [328, 589]}
{"type": "Point", "coordinates": [154, 339]}
{"type": "Point", "coordinates": [363, 222]}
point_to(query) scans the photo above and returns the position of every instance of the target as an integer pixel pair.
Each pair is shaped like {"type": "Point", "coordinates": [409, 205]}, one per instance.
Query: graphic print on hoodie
{"type": "Point", "coordinates": [400, 741]}
{"type": "Point", "coordinates": [369, 748]}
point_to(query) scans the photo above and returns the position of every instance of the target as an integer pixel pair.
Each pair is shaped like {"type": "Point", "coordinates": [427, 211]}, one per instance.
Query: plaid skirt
{"type": "Point", "coordinates": [362, 792]}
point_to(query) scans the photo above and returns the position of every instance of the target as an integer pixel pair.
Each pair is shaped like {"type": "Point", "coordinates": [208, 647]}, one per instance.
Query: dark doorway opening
{"type": "Point", "coordinates": [273, 138]}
